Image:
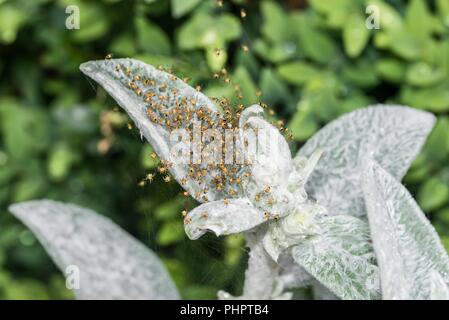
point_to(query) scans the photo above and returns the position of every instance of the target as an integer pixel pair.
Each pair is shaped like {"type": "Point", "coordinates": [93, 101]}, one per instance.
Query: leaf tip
{"type": "Point", "coordinates": [87, 67]}
{"type": "Point", "coordinates": [28, 211]}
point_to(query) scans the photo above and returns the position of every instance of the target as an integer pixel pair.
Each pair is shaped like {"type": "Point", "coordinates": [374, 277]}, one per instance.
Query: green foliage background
{"type": "Point", "coordinates": [61, 137]}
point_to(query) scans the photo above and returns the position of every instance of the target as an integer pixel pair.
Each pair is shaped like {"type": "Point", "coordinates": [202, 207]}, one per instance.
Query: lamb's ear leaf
{"type": "Point", "coordinates": [341, 261]}
{"type": "Point", "coordinates": [111, 263]}
{"type": "Point", "coordinates": [349, 233]}
{"type": "Point", "coordinates": [222, 217]}
{"type": "Point", "coordinates": [438, 287]}
{"type": "Point", "coordinates": [407, 247]}
{"type": "Point", "coordinates": [292, 229]}
{"type": "Point", "coordinates": [271, 162]}
{"type": "Point", "coordinates": [392, 135]}
{"type": "Point", "coordinates": [136, 86]}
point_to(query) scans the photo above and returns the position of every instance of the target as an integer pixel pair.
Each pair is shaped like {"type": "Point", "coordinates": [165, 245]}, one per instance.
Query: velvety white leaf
{"type": "Point", "coordinates": [116, 75]}
{"type": "Point", "coordinates": [271, 165]}
{"type": "Point", "coordinates": [111, 263]}
{"type": "Point", "coordinates": [273, 161]}
{"type": "Point", "coordinates": [349, 233]}
{"type": "Point", "coordinates": [252, 111]}
{"type": "Point", "coordinates": [438, 287]}
{"type": "Point", "coordinates": [407, 247]}
{"type": "Point", "coordinates": [302, 169]}
{"type": "Point", "coordinates": [222, 217]}
{"type": "Point", "coordinates": [392, 135]}
{"type": "Point", "coordinates": [292, 229]}
{"type": "Point", "coordinates": [340, 258]}
{"type": "Point", "coordinates": [305, 166]}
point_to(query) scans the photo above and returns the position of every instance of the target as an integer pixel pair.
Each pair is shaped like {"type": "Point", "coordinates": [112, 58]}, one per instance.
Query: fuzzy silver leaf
{"type": "Point", "coordinates": [222, 217]}
{"type": "Point", "coordinates": [111, 263]}
{"type": "Point", "coordinates": [392, 135]}
{"type": "Point", "coordinates": [407, 247]}
{"type": "Point", "coordinates": [340, 257]}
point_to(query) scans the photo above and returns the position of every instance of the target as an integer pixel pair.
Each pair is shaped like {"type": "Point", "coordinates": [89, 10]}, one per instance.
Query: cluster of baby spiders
{"type": "Point", "coordinates": [171, 109]}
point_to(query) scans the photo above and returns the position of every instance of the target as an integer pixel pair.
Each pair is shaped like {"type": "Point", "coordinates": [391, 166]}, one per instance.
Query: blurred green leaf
{"type": "Point", "coordinates": [297, 73]}
{"type": "Point", "coordinates": [445, 241]}
{"type": "Point", "coordinates": [29, 188]}
{"type": "Point", "coordinates": [123, 45]}
{"type": "Point", "coordinates": [171, 232]}
{"type": "Point", "coordinates": [336, 11]}
{"type": "Point", "coordinates": [435, 99]}
{"type": "Point", "coordinates": [408, 47]}
{"type": "Point", "coordinates": [60, 160]}
{"type": "Point", "coordinates": [204, 31]}
{"type": "Point", "coordinates": [147, 158]}
{"type": "Point", "coordinates": [391, 69]}
{"type": "Point", "coordinates": [277, 52]}
{"type": "Point", "coordinates": [248, 89]}
{"type": "Point", "coordinates": [389, 18]}
{"type": "Point", "coordinates": [272, 87]}
{"type": "Point", "coordinates": [355, 35]}
{"type": "Point", "coordinates": [443, 11]}
{"type": "Point", "coordinates": [11, 19]}
{"type": "Point", "coordinates": [325, 104]}
{"type": "Point", "coordinates": [275, 26]}
{"type": "Point", "coordinates": [418, 18]}
{"type": "Point", "coordinates": [7, 171]}
{"type": "Point", "coordinates": [25, 130]}
{"type": "Point", "coordinates": [234, 244]}
{"type": "Point", "coordinates": [437, 146]}
{"type": "Point", "coordinates": [362, 73]}
{"type": "Point", "coordinates": [182, 7]}
{"type": "Point", "coordinates": [433, 194]}
{"type": "Point", "coordinates": [303, 124]}
{"type": "Point", "coordinates": [216, 59]}
{"type": "Point", "coordinates": [315, 44]}
{"type": "Point", "coordinates": [200, 292]}
{"type": "Point", "coordinates": [151, 38]}
{"type": "Point", "coordinates": [354, 102]}
{"type": "Point", "coordinates": [423, 75]}
{"type": "Point", "coordinates": [168, 211]}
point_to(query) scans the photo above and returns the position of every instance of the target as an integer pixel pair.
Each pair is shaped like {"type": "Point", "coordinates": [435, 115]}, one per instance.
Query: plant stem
{"type": "Point", "coordinates": [262, 270]}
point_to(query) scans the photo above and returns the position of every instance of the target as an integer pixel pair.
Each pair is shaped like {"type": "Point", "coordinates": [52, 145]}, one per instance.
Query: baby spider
{"type": "Point", "coordinates": [187, 220]}
{"type": "Point", "coordinates": [150, 177]}
{"type": "Point", "coordinates": [162, 169]}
